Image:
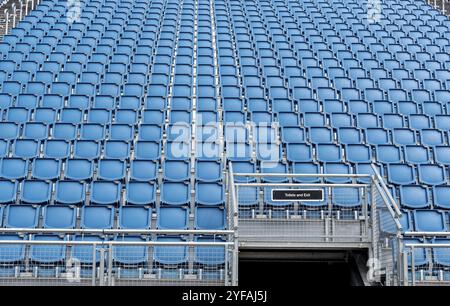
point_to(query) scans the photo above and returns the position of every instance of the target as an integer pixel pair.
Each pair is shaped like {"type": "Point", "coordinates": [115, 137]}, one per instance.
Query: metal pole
{"type": "Point", "coordinates": [228, 253]}
{"type": "Point", "coordinates": [413, 266]}
{"type": "Point", "coordinates": [110, 256]}
{"type": "Point", "coordinates": [102, 267]}
{"type": "Point", "coordinates": [405, 268]}
{"type": "Point", "coordinates": [13, 7]}
{"type": "Point", "coordinates": [235, 263]}
{"type": "Point", "coordinates": [26, 7]}
{"type": "Point", "coordinates": [21, 10]}
{"type": "Point", "coordinates": [6, 12]}
{"type": "Point", "coordinates": [94, 264]}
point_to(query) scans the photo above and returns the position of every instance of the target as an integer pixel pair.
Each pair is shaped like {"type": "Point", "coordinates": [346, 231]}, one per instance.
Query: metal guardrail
{"type": "Point", "coordinates": [426, 263]}
{"type": "Point", "coordinates": [107, 263]}
{"type": "Point", "coordinates": [375, 224]}
{"type": "Point", "coordinates": [441, 5]}
{"type": "Point", "coordinates": [13, 12]}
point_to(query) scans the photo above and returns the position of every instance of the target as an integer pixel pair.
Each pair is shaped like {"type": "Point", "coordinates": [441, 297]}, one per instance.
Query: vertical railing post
{"type": "Point", "coordinates": [413, 266]}
{"type": "Point", "coordinates": [102, 267]}
{"type": "Point", "coordinates": [6, 12]}
{"type": "Point", "coordinates": [13, 7]}
{"type": "Point", "coordinates": [405, 268]}
{"type": "Point", "coordinates": [94, 263]}
{"type": "Point", "coordinates": [109, 270]}
{"type": "Point", "coordinates": [21, 10]}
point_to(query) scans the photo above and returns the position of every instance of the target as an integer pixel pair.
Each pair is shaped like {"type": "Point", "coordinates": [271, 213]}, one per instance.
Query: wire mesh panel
{"type": "Point", "coordinates": [385, 266]}
{"type": "Point", "coordinates": [128, 260]}
{"type": "Point", "coordinates": [283, 211]}
{"type": "Point", "coordinates": [426, 263]}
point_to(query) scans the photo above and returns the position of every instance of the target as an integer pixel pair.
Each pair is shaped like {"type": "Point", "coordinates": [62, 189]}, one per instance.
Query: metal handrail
{"type": "Point", "coordinates": [139, 243]}
{"type": "Point", "coordinates": [444, 234]}
{"type": "Point", "coordinates": [115, 231]}
{"type": "Point", "coordinates": [385, 189]}
{"type": "Point", "coordinates": [302, 175]}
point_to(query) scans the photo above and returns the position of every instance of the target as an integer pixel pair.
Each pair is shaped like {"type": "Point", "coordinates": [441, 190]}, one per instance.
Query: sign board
{"type": "Point", "coordinates": [297, 195]}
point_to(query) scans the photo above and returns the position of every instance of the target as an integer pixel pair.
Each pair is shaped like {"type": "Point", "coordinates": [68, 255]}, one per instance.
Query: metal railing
{"type": "Point", "coordinates": [204, 259]}
{"type": "Point", "coordinates": [342, 218]}
{"type": "Point", "coordinates": [12, 12]}
{"type": "Point", "coordinates": [358, 213]}
{"type": "Point", "coordinates": [441, 5]}
{"type": "Point", "coordinates": [384, 261]}
{"type": "Point", "coordinates": [426, 258]}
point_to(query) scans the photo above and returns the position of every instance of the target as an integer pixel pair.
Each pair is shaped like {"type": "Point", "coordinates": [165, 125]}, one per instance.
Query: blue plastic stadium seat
{"type": "Point", "coordinates": [208, 171]}
{"type": "Point", "coordinates": [293, 135]}
{"type": "Point", "coordinates": [432, 174]}
{"type": "Point", "coordinates": [105, 193]}
{"type": "Point", "coordinates": [273, 167]}
{"type": "Point", "coordinates": [176, 170]}
{"type": "Point", "coordinates": [13, 168]}
{"type": "Point", "coordinates": [209, 218]}
{"type": "Point", "coordinates": [209, 193]}
{"type": "Point", "coordinates": [25, 148]}
{"type": "Point", "coordinates": [441, 196]}
{"type": "Point", "coordinates": [135, 217]}
{"type": "Point", "coordinates": [140, 193]}
{"type": "Point", "coordinates": [388, 154]}
{"type": "Point", "coordinates": [346, 197]}
{"type": "Point", "coordinates": [174, 193]}
{"type": "Point", "coordinates": [244, 167]}
{"type": "Point", "coordinates": [429, 221]}
{"type": "Point", "coordinates": [86, 149]}
{"type": "Point", "coordinates": [413, 196]}
{"type": "Point", "coordinates": [35, 192]}
{"type": "Point", "coordinates": [209, 255]}
{"type": "Point", "coordinates": [70, 192]}
{"type": "Point", "coordinates": [133, 255]}
{"type": "Point", "coordinates": [328, 153]}
{"type": "Point", "coordinates": [9, 130]}
{"type": "Point", "coordinates": [84, 253]}
{"type": "Point", "coordinates": [79, 169]}
{"type": "Point", "coordinates": [143, 170]}
{"type": "Point", "coordinates": [46, 169]}
{"type": "Point", "coordinates": [168, 254]}
{"type": "Point", "coordinates": [111, 169]}
{"type": "Point", "coordinates": [21, 216]}
{"type": "Point", "coordinates": [147, 150]}
{"type": "Point", "coordinates": [401, 174]}
{"type": "Point", "coordinates": [172, 218]}
{"type": "Point", "coordinates": [337, 168]}
{"type": "Point", "coordinates": [117, 149]}
{"type": "Point", "coordinates": [97, 217]}
{"type": "Point", "coordinates": [417, 154]}
{"type": "Point", "coordinates": [59, 216]}
{"type": "Point", "coordinates": [8, 192]}
{"type": "Point", "coordinates": [10, 254]}
{"type": "Point", "coordinates": [47, 256]}
{"type": "Point", "coordinates": [420, 255]}
{"type": "Point", "coordinates": [299, 152]}
{"type": "Point", "coordinates": [56, 149]}
{"type": "Point", "coordinates": [357, 153]}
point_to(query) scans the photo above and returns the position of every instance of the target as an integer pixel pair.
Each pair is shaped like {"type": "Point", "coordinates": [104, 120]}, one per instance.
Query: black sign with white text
{"type": "Point", "coordinates": [297, 195]}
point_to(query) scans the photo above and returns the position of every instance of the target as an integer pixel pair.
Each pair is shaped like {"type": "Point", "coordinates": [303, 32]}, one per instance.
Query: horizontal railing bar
{"type": "Point", "coordinates": [303, 175]}
{"type": "Point", "coordinates": [115, 231]}
{"type": "Point", "coordinates": [309, 236]}
{"type": "Point", "coordinates": [428, 245]}
{"type": "Point", "coordinates": [118, 243]}
{"type": "Point", "coordinates": [427, 233]}
{"type": "Point", "coordinates": [281, 185]}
